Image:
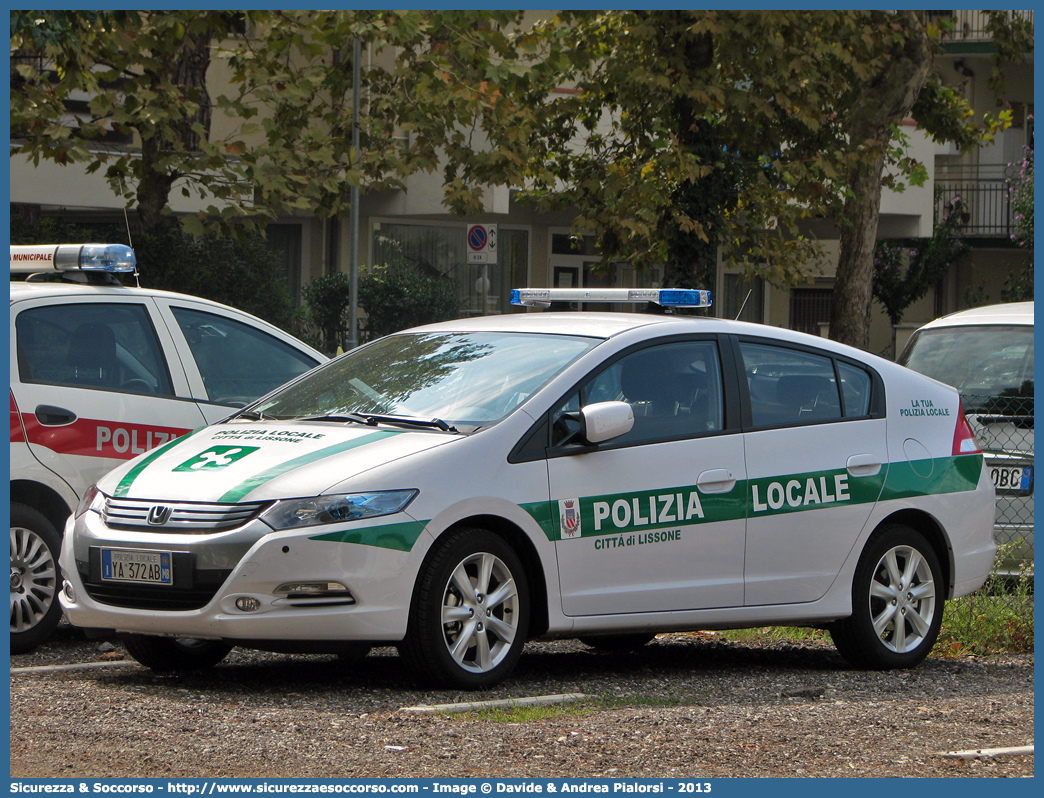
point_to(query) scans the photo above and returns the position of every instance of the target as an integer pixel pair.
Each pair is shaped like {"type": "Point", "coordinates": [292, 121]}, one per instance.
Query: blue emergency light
{"type": "Point", "coordinates": [112, 258]}
{"type": "Point", "coordinates": [666, 297]}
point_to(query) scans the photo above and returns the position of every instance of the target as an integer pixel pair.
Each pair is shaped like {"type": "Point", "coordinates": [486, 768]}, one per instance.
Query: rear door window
{"type": "Point", "coordinates": [789, 386]}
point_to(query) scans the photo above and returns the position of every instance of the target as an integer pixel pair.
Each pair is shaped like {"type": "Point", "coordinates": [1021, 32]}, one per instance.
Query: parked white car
{"type": "Point", "coordinates": [459, 488]}
{"type": "Point", "coordinates": [987, 355]}
{"type": "Point", "coordinates": [101, 373]}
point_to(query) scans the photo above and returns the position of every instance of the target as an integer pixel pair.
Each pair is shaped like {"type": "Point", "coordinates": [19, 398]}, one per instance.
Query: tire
{"type": "Point", "coordinates": [470, 612]}
{"type": "Point", "coordinates": [35, 578]}
{"type": "Point", "coordinates": [175, 654]}
{"type": "Point", "coordinates": [628, 642]}
{"type": "Point", "coordinates": [897, 603]}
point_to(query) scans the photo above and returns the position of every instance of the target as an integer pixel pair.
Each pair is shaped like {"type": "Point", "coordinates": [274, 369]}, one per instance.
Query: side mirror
{"type": "Point", "coordinates": [604, 421]}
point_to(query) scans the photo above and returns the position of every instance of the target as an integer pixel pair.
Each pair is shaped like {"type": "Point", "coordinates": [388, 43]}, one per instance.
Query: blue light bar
{"type": "Point", "coordinates": [107, 258]}
{"type": "Point", "coordinates": [667, 297]}
{"type": "Point", "coordinates": [117, 258]}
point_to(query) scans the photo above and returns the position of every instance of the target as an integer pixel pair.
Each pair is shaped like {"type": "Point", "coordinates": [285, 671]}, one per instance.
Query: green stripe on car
{"type": "Point", "coordinates": [243, 488]}
{"type": "Point", "coordinates": [399, 537]}
{"type": "Point", "coordinates": [128, 479]}
{"type": "Point", "coordinates": [663, 508]}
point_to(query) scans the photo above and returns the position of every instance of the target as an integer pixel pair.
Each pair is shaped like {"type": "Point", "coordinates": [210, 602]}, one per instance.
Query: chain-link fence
{"type": "Point", "coordinates": [1003, 426]}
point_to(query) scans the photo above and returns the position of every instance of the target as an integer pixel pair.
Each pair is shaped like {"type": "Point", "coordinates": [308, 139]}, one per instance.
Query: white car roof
{"type": "Point", "coordinates": [1011, 313]}
{"type": "Point", "coordinates": [609, 324]}
{"type": "Point", "coordinates": [25, 290]}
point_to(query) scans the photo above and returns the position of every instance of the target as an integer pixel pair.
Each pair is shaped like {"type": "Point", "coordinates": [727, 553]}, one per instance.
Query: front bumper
{"type": "Point", "coordinates": [212, 572]}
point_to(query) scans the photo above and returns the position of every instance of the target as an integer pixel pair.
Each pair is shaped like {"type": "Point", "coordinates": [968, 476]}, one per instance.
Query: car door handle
{"type": "Point", "coordinates": [716, 480]}
{"type": "Point", "coordinates": [51, 416]}
{"type": "Point", "coordinates": [864, 465]}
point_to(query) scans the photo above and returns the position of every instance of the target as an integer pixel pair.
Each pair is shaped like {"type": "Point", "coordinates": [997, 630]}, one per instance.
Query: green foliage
{"type": "Point", "coordinates": [144, 73]}
{"type": "Point", "coordinates": [287, 122]}
{"type": "Point", "coordinates": [397, 298]}
{"type": "Point", "coordinates": [535, 714]}
{"type": "Point", "coordinates": [996, 619]}
{"type": "Point", "coordinates": [976, 295]}
{"type": "Point", "coordinates": [1020, 194]}
{"type": "Point", "coordinates": [674, 136]}
{"type": "Point", "coordinates": [392, 298]}
{"type": "Point", "coordinates": [58, 230]}
{"type": "Point", "coordinates": [240, 272]}
{"type": "Point", "coordinates": [1018, 285]}
{"type": "Point", "coordinates": [327, 298]}
{"type": "Point", "coordinates": [906, 269]}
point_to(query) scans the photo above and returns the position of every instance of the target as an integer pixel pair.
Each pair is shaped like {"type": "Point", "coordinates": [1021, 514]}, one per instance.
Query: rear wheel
{"type": "Point", "coordinates": [897, 603]}
{"type": "Point", "coordinates": [35, 578]}
{"type": "Point", "coordinates": [629, 642]}
{"type": "Point", "coordinates": [175, 653]}
{"type": "Point", "coordinates": [470, 612]}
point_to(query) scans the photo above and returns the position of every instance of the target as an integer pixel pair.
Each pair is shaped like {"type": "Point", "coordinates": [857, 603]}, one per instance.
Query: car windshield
{"type": "Point", "coordinates": [977, 361]}
{"type": "Point", "coordinates": [467, 380]}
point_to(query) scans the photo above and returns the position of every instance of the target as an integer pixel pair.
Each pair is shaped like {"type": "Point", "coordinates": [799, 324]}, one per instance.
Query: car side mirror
{"type": "Point", "coordinates": [604, 421]}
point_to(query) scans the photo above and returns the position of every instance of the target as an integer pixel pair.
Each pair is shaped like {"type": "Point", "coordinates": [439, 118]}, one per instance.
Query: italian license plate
{"type": "Point", "coordinates": [133, 565]}
{"type": "Point", "coordinates": [1012, 479]}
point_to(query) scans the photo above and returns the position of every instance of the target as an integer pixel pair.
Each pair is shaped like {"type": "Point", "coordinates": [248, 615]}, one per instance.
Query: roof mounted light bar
{"type": "Point", "coordinates": [111, 258]}
{"type": "Point", "coordinates": [666, 297]}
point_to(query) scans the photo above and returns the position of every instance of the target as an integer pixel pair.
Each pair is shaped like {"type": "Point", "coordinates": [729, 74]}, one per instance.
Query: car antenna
{"type": "Point", "coordinates": [751, 291]}
{"type": "Point", "coordinates": [130, 241]}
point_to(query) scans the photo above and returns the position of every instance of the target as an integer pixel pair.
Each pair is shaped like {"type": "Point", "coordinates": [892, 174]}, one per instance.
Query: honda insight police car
{"type": "Point", "coordinates": [101, 373]}
{"type": "Point", "coordinates": [460, 488]}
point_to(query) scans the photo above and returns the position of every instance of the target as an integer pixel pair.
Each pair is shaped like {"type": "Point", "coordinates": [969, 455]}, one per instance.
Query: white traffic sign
{"type": "Point", "coordinates": [482, 243]}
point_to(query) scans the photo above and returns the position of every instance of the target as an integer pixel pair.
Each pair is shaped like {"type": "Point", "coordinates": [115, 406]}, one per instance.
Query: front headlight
{"type": "Point", "coordinates": [318, 510]}
{"type": "Point", "coordinates": [93, 499]}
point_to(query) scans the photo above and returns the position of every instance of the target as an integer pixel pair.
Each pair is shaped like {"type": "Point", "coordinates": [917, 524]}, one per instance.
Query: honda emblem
{"type": "Point", "coordinates": [158, 515]}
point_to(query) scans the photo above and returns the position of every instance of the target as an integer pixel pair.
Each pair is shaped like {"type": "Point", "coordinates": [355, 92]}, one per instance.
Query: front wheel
{"type": "Point", "coordinates": [897, 603]}
{"type": "Point", "coordinates": [35, 578]}
{"type": "Point", "coordinates": [175, 653]}
{"type": "Point", "coordinates": [470, 612]}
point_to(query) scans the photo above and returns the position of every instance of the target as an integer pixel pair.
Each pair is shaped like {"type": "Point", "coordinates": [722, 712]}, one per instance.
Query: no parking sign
{"type": "Point", "coordinates": [482, 243]}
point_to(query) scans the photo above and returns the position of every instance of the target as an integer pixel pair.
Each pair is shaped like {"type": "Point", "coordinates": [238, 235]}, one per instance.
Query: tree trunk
{"type": "Point", "coordinates": [885, 101]}
{"type": "Point", "coordinates": [189, 72]}
{"type": "Point", "coordinates": [153, 186]}
{"type": "Point", "coordinates": [853, 285]}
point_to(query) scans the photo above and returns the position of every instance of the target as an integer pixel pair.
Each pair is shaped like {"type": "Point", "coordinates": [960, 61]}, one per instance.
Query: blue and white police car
{"type": "Point", "coordinates": [461, 488]}
{"type": "Point", "coordinates": [100, 373]}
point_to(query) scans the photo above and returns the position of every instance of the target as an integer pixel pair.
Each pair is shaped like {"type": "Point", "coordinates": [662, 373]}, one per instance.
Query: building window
{"type": "Point", "coordinates": [810, 308]}
{"type": "Point", "coordinates": [484, 289]}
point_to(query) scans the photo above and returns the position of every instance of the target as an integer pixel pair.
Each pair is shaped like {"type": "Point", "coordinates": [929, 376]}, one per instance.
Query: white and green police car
{"type": "Point", "coordinates": [460, 488]}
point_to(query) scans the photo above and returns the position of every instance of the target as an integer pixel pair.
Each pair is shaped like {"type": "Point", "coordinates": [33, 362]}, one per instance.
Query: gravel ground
{"type": "Point", "coordinates": [687, 705]}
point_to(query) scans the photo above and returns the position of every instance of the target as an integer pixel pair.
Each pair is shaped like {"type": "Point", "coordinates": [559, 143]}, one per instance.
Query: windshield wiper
{"type": "Point", "coordinates": [250, 415]}
{"type": "Point", "coordinates": [341, 417]}
{"type": "Point", "coordinates": [407, 421]}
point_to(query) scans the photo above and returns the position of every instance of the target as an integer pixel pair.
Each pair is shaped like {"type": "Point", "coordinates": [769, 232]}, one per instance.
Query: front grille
{"type": "Point", "coordinates": [141, 597]}
{"type": "Point", "coordinates": [191, 518]}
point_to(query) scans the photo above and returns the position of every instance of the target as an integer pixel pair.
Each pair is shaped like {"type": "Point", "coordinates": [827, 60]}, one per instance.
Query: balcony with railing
{"type": "Point", "coordinates": [969, 27]}
{"type": "Point", "coordinates": [983, 190]}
